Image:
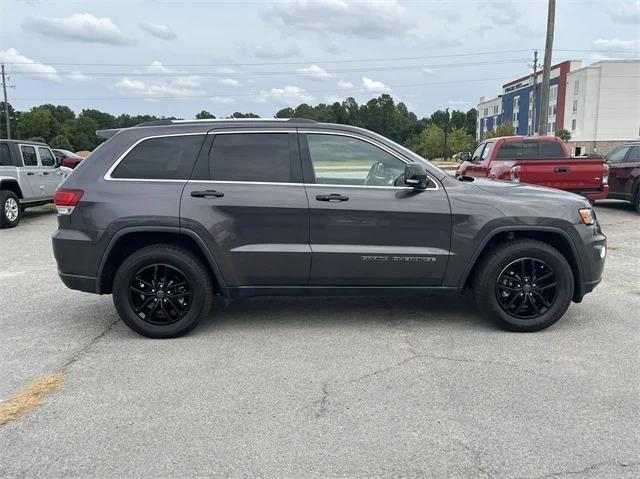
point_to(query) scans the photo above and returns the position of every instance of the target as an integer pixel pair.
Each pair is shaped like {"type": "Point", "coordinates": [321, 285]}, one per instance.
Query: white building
{"type": "Point", "coordinates": [602, 107]}
{"type": "Point", "coordinates": [489, 116]}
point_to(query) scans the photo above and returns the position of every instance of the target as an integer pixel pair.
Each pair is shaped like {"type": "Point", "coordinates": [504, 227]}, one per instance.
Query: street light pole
{"type": "Point", "coordinates": [6, 104]}
{"type": "Point", "coordinates": [546, 72]}
{"type": "Point", "coordinates": [446, 131]}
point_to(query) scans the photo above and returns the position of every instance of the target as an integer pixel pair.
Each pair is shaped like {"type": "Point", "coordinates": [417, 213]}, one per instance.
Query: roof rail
{"type": "Point", "coordinates": [155, 123]}
{"type": "Point", "coordinates": [301, 120]}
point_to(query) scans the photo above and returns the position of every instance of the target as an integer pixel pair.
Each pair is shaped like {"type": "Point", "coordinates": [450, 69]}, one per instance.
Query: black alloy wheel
{"type": "Point", "coordinates": [526, 288]}
{"type": "Point", "coordinates": [160, 294]}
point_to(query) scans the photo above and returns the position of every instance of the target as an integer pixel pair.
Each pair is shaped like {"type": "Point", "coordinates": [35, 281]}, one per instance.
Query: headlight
{"type": "Point", "coordinates": [588, 216]}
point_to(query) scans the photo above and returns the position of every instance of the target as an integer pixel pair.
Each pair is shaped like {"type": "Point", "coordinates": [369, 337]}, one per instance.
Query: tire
{"type": "Point", "coordinates": [498, 289]}
{"type": "Point", "coordinates": [170, 265]}
{"type": "Point", "coordinates": [636, 200]}
{"type": "Point", "coordinates": [10, 209]}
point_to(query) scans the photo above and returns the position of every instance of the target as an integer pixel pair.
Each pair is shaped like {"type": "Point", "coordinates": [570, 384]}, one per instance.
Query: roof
{"type": "Point", "coordinates": [23, 142]}
{"type": "Point", "coordinates": [521, 137]}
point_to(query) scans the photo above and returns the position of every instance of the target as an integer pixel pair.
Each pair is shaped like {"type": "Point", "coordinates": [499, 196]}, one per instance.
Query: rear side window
{"type": "Point", "coordinates": [163, 158]}
{"type": "Point", "coordinates": [5, 156]}
{"type": "Point", "coordinates": [511, 150]}
{"type": "Point", "coordinates": [29, 155]}
{"type": "Point", "coordinates": [256, 157]}
{"type": "Point", "coordinates": [550, 149]}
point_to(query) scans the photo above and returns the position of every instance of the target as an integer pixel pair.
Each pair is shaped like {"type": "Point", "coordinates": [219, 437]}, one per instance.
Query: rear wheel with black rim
{"type": "Point", "coordinates": [162, 291]}
{"type": "Point", "coordinates": [636, 202]}
{"type": "Point", "coordinates": [11, 212]}
{"type": "Point", "coordinates": [525, 285]}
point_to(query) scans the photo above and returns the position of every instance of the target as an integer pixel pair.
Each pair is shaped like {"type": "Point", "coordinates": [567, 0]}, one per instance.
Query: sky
{"type": "Point", "coordinates": [176, 58]}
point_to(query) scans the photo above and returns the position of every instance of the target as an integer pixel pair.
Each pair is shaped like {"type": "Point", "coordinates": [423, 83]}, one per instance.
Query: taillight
{"type": "Point", "coordinates": [66, 200]}
{"type": "Point", "coordinates": [514, 173]}
{"type": "Point", "coordinates": [605, 174]}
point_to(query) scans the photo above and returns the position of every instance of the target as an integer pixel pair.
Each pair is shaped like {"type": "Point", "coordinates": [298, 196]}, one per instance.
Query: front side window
{"type": "Point", "coordinates": [634, 156]}
{"type": "Point", "coordinates": [29, 157]}
{"type": "Point", "coordinates": [617, 155]}
{"type": "Point", "coordinates": [251, 157]}
{"type": "Point", "coordinates": [477, 154]}
{"type": "Point", "coordinates": [343, 160]}
{"type": "Point", "coordinates": [46, 158]}
{"type": "Point", "coordinates": [487, 151]}
{"type": "Point", "coordinates": [162, 158]}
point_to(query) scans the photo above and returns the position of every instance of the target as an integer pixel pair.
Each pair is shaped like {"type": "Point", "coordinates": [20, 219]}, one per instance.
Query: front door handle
{"type": "Point", "coordinates": [45, 173]}
{"type": "Point", "coordinates": [333, 197]}
{"type": "Point", "coordinates": [562, 169]}
{"type": "Point", "coordinates": [207, 194]}
{"type": "Point", "coordinates": [30, 173]}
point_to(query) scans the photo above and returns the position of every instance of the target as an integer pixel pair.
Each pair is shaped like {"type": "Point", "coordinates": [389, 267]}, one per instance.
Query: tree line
{"type": "Point", "coordinates": [60, 127]}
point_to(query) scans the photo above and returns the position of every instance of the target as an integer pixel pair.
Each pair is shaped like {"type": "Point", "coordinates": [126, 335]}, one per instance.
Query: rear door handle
{"type": "Point", "coordinates": [333, 197]}
{"type": "Point", "coordinates": [45, 172]}
{"type": "Point", "coordinates": [207, 194]}
{"type": "Point", "coordinates": [561, 169]}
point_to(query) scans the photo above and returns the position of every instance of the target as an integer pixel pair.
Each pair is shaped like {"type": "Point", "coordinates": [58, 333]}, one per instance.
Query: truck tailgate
{"type": "Point", "coordinates": [572, 174]}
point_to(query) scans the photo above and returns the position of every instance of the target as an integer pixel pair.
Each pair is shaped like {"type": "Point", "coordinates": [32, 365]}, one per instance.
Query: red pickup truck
{"type": "Point", "coordinates": [542, 160]}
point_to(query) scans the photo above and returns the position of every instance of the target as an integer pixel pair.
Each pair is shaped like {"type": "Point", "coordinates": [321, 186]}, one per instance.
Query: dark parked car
{"type": "Point", "coordinates": [624, 173]}
{"type": "Point", "coordinates": [67, 158]}
{"type": "Point", "coordinates": [166, 215]}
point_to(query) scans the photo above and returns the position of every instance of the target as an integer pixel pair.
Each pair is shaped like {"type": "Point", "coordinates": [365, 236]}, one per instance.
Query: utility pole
{"type": "Point", "coordinates": [546, 72]}
{"type": "Point", "coordinates": [533, 91]}
{"type": "Point", "coordinates": [446, 131]}
{"type": "Point", "coordinates": [6, 104]}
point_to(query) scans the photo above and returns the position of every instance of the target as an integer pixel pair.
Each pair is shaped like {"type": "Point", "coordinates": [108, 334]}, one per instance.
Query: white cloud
{"type": "Point", "coordinates": [625, 11]}
{"type": "Point", "coordinates": [82, 27]}
{"type": "Point", "coordinates": [615, 44]}
{"type": "Point", "coordinates": [226, 70]}
{"type": "Point", "coordinates": [78, 76]}
{"type": "Point", "coordinates": [224, 100]}
{"type": "Point", "coordinates": [188, 81]}
{"type": "Point", "coordinates": [374, 85]}
{"type": "Point", "coordinates": [289, 95]}
{"type": "Point", "coordinates": [266, 51]}
{"type": "Point", "coordinates": [141, 88]}
{"type": "Point", "coordinates": [314, 71]}
{"type": "Point", "coordinates": [373, 19]}
{"type": "Point", "coordinates": [229, 81]}
{"type": "Point", "coordinates": [158, 67]}
{"type": "Point", "coordinates": [17, 63]}
{"type": "Point", "coordinates": [163, 32]}
{"type": "Point", "coordinates": [344, 84]}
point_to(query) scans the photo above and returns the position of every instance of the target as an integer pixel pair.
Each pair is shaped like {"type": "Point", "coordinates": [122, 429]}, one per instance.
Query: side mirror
{"type": "Point", "coordinates": [415, 175]}
{"type": "Point", "coordinates": [466, 156]}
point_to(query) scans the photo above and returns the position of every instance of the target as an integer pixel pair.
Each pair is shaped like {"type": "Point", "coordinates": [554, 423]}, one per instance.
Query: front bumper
{"type": "Point", "coordinates": [592, 256]}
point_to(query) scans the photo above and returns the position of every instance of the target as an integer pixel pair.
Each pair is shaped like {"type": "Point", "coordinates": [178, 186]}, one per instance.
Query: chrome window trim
{"type": "Point", "coordinates": [35, 150]}
{"type": "Point", "coordinates": [108, 177]}
{"type": "Point", "coordinates": [375, 144]}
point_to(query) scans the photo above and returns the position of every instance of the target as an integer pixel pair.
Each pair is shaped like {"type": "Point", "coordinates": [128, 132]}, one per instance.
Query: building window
{"type": "Point", "coordinates": [516, 117]}
{"type": "Point", "coordinates": [529, 130]}
{"type": "Point", "coordinates": [486, 112]}
{"type": "Point", "coordinates": [495, 109]}
{"type": "Point", "coordinates": [576, 87]}
{"type": "Point", "coordinates": [516, 102]}
{"type": "Point", "coordinates": [575, 106]}
{"type": "Point", "coordinates": [484, 124]}
{"type": "Point", "coordinates": [553, 92]}
{"type": "Point", "coordinates": [573, 125]}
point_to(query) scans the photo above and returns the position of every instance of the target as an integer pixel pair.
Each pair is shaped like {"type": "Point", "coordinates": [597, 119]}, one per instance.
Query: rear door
{"type": "Point", "coordinates": [29, 175]}
{"type": "Point", "coordinates": [364, 230]}
{"type": "Point", "coordinates": [544, 163]}
{"type": "Point", "coordinates": [247, 201]}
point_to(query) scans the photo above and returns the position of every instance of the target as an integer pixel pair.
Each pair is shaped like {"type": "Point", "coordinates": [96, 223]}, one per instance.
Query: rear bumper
{"type": "Point", "coordinates": [88, 284]}
{"type": "Point", "coordinates": [595, 195]}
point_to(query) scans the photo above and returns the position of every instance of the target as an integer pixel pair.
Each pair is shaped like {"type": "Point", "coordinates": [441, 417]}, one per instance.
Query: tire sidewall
{"type": "Point", "coordinates": [564, 292]}
{"type": "Point", "coordinates": [4, 221]}
{"type": "Point", "coordinates": [189, 266]}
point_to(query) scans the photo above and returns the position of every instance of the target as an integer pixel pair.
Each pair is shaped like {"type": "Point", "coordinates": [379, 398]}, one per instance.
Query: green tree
{"type": "Point", "coordinates": [471, 120]}
{"type": "Point", "coordinates": [284, 113]}
{"type": "Point", "coordinates": [505, 129]}
{"type": "Point", "coordinates": [61, 113]}
{"type": "Point", "coordinates": [82, 133]}
{"type": "Point", "coordinates": [13, 120]}
{"type": "Point", "coordinates": [62, 142]}
{"type": "Point", "coordinates": [103, 121]}
{"type": "Point", "coordinates": [459, 140]}
{"type": "Point", "coordinates": [37, 138]}
{"type": "Point", "coordinates": [237, 114]}
{"type": "Point", "coordinates": [564, 135]}
{"type": "Point", "coordinates": [431, 142]}
{"type": "Point", "coordinates": [39, 122]}
{"type": "Point", "coordinates": [205, 115]}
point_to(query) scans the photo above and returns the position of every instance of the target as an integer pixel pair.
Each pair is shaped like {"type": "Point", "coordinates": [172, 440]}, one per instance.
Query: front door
{"type": "Point", "coordinates": [365, 230]}
{"type": "Point", "coordinates": [30, 177]}
{"type": "Point", "coordinates": [50, 174]}
{"type": "Point", "coordinates": [247, 201]}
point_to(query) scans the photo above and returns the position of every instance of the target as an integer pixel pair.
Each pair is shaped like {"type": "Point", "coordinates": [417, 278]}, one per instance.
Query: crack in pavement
{"type": "Point", "coordinates": [322, 410]}
{"type": "Point", "coordinates": [84, 349]}
{"type": "Point", "coordinates": [590, 468]}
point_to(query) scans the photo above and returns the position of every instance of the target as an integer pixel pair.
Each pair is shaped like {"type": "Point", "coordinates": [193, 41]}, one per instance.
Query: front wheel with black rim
{"type": "Point", "coordinates": [11, 211]}
{"type": "Point", "coordinates": [636, 202]}
{"type": "Point", "coordinates": [162, 291]}
{"type": "Point", "coordinates": [525, 285]}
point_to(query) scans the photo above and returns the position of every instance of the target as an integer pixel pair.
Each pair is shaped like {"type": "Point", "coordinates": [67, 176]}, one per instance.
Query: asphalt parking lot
{"type": "Point", "coordinates": [316, 387]}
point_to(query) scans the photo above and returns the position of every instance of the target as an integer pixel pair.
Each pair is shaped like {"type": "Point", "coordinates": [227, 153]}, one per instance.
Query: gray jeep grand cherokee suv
{"type": "Point", "coordinates": [166, 215]}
